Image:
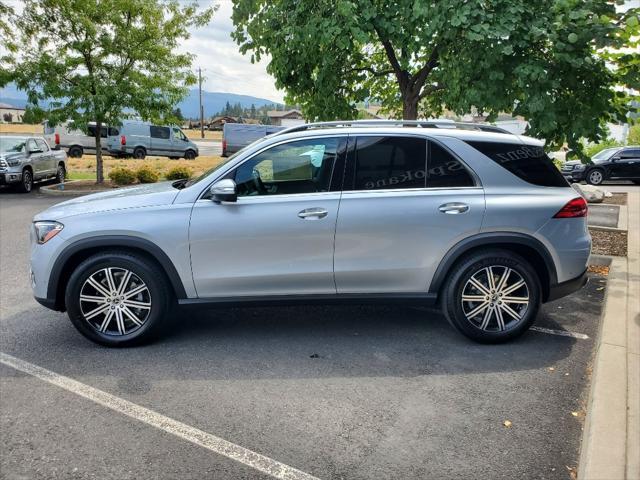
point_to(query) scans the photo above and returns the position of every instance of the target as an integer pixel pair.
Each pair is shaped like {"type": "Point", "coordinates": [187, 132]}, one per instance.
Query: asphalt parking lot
{"type": "Point", "coordinates": [337, 392]}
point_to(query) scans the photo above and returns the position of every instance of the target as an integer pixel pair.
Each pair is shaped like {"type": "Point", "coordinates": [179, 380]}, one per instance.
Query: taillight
{"type": "Point", "coordinates": [573, 209]}
{"type": "Point", "coordinates": [123, 140]}
{"type": "Point", "coordinates": [56, 139]}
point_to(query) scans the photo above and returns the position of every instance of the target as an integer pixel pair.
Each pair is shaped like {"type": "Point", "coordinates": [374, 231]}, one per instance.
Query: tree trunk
{"type": "Point", "coordinates": [99, 165]}
{"type": "Point", "coordinates": [409, 106]}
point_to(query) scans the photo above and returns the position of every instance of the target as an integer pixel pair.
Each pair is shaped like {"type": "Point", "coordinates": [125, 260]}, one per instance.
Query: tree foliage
{"type": "Point", "coordinates": [535, 58]}
{"type": "Point", "coordinates": [95, 60]}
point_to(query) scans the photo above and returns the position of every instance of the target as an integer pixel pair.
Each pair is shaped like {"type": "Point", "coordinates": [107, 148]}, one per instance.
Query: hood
{"type": "Point", "coordinates": [132, 197]}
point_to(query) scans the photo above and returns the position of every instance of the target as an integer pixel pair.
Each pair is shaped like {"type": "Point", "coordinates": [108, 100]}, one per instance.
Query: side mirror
{"type": "Point", "coordinates": [224, 191]}
{"type": "Point", "coordinates": [615, 159]}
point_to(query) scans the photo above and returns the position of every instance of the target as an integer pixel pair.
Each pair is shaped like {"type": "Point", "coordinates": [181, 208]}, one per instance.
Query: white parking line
{"type": "Point", "coordinates": [562, 333]}
{"type": "Point", "coordinates": [210, 442]}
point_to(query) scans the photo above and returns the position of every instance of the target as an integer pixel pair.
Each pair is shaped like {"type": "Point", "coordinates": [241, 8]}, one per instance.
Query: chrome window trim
{"type": "Point", "coordinates": [258, 152]}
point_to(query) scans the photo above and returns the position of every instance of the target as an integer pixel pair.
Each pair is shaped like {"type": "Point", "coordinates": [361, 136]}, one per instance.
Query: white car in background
{"type": "Point", "coordinates": [77, 142]}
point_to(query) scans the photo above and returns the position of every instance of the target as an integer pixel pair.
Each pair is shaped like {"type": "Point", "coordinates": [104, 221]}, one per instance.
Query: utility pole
{"type": "Point", "coordinates": [201, 109]}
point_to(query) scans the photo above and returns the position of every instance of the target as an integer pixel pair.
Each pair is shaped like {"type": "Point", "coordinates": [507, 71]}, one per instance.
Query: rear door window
{"type": "Point", "coordinates": [445, 170]}
{"type": "Point", "coordinates": [163, 133]}
{"type": "Point", "coordinates": [528, 162]}
{"type": "Point", "coordinates": [389, 163]}
{"type": "Point", "coordinates": [630, 153]}
{"type": "Point", "coordinates": [42, 145]}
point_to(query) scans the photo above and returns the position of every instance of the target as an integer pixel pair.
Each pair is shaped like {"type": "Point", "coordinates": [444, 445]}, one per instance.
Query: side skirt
{"type": "Point", "coordinates": [324, 299]}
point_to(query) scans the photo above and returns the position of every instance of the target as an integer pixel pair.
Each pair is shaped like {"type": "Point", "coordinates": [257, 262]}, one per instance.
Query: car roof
{"type": "Point", "coordinates": [441, 131]}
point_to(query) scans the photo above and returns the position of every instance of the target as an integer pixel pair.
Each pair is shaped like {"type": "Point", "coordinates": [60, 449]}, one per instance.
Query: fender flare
{"type": "Point", "coordinates": [491, 239]}
{"type": "Point", "coordinates": [114, 241]}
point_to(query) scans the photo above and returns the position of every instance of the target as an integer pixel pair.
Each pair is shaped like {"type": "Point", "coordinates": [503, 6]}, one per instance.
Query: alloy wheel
{"type": "Point", "coordinates": [595, 177]}
{"type": "Point", "coordinates": [495, 298]}
{"type": "Point", "coordinates": [27, 181]}
{"type": "Point", "coordinates": [115, 301]}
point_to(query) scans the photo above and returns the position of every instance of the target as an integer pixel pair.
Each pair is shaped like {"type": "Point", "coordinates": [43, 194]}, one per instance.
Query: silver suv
{"type": "Point", "coordinates": [475, 219]}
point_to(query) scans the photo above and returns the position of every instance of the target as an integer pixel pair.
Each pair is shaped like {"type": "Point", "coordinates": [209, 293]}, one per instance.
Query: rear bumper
{"type": "Point", "coordinates": [563, 289]}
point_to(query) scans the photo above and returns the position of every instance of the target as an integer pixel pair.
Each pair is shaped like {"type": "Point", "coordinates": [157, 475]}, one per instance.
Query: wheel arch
{"type": "Point", "coordinates": [524, 245]}
{"type": "Point", "coordinates": [77, 252]}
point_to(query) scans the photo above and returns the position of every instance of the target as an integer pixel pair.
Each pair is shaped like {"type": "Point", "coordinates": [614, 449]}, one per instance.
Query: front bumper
{"type": "Point", "coordinates": [8, 178]}
{"type": "Point", "coordinates": [563, 289]}
{"type": "Point", "coordinates": [574, 176]}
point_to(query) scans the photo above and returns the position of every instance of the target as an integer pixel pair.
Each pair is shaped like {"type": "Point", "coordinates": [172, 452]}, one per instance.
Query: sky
{"type": "Point", "coordinates": [224, 68]}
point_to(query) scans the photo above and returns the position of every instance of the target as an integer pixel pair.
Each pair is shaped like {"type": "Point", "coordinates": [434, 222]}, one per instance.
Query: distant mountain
{"type": "Point", "coordinates": [212, 101]}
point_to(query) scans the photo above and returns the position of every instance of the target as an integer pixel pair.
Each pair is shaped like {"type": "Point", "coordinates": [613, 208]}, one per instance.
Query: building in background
{"type": "Point", "coordinates": [285, 118]}
{"type": "Point", "coordinates": [10, 113]}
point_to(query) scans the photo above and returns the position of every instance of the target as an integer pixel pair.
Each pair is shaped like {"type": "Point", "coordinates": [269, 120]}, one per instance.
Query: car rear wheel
{"type": "Point", "coordinates": [189, 155]}
{"type": "Point", "coordinates": [595, 177]}
{"type": "Point", "coordinates": [139, 153]}
{"type": "Point", "coordinates": [118, 299]}
{"type": "Point", "coordinates": [75, 151]}
{"type": "Point", "coordinates": [60, 173]}
{"type": "Point", "coordinates": [492, 296]}
{"type": "Point", "coordinates": [26, 185]}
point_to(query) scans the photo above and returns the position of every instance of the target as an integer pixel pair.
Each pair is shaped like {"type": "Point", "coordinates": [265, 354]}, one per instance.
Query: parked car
{"type": "Point", "coordinates": [236, 136]}
{"type": "Point", "coordinates": [617, 163]}
{"type": "Point", "coordinates": [77, 142]}
{"type": "Point", "coordinates": [25, 160]}
{"type": "Point", "coordinates": [139, 139]}
{"type": "Point", "coordinates": [481, 223]}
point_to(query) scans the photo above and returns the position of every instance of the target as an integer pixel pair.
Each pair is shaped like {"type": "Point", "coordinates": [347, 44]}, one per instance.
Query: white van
{"type": "Point", "coordinates": [76, 142]}
{"type": "Point", "coordinates": [139, 139]}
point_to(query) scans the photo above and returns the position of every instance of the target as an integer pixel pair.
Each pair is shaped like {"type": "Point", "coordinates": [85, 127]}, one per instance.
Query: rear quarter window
{"type": "Point", "coordinates": [528, 162]}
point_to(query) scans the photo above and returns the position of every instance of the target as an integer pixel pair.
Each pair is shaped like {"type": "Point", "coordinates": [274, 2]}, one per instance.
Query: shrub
{"type": "Point", "coordinates": [146, 174]}
{"type": "Point", "coordinates": [178, 172]}
{"type": "Point", "coordinates": [122, 176]}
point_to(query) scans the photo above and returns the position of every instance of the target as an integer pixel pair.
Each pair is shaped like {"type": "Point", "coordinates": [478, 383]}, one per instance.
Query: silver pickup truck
{"type": "Point", "coordinates": [24, 160]}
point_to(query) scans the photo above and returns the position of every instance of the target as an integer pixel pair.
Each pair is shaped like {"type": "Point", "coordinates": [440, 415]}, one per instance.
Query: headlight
{"type": "Point", "coordinates": [580, 166]}
{"type": "Point", "coordinates": [45, 231]}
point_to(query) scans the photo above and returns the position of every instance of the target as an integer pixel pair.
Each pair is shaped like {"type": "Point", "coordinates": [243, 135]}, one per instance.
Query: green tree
{"type": "Point", "coordinates": [252, 111]}
{"type": "Point", "coordinates": [533, 58]}
{"type": "Point", "coordinates": [227, 109]}
{"type": "Point", "coordinates": [177, 114]}
{"type": "Point", "coordinates": [95, 59]}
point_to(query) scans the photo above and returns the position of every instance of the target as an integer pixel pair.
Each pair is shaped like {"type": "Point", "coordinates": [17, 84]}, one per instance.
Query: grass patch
{"type": "Point", "coordinates": [84, 168]}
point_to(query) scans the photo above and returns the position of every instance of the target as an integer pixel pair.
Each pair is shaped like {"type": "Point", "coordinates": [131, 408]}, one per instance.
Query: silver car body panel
{"type": "Point", "coordinates": [370, 242]}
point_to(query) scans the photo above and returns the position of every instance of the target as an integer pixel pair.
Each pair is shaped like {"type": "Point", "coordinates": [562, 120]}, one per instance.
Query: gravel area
{"type": "Point", "coordinates": [609, 243]}
{"type": "Point", "coordinates": [616, 199]}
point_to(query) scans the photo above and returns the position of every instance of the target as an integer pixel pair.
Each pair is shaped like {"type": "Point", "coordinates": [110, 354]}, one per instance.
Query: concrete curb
{"type": "Point", "coordinates": [54, 191]}
{"type": "Point", "coordinates": [611, 437]}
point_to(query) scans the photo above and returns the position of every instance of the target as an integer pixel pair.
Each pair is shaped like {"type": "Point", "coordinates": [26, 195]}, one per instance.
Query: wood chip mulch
{"type": "Point", "coordinates": [599, 270]}
{"type": "Point", "coordinates": [608, 243]}
{"type": "Point", "coordinates": [616, 199]}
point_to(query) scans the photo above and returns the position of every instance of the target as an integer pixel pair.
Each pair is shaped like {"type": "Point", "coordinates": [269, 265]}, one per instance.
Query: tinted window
{"type": "Point", "coordinates": [631, 153]}
{"type": "Point", "coordinates": [113, 131]}
{"type": "Point", "coordinates": [91, 131]}
{"type": "Point", "coordinates": [527, 162]}
{"type": "Point", "coordinates": [389, 162]}
{"type": "Point", "coordinates": [42, 145]}
{"type": "Point", "coordinates": [444, 170]}
{"type": "Point", "coordinates": [178, 135]}
{"type": "Point", "coordinates": [160, 132]}
{"type": "Point", "coordinates": [296, 167]}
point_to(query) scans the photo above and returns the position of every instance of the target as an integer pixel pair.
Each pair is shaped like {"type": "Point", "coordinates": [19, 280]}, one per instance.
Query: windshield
{"type": "Point", "coordinates": [193, 181]}
{"type": "Point", "coordinates": [604, 154]}
{"type": "Point", "coordinates": [12, 144]}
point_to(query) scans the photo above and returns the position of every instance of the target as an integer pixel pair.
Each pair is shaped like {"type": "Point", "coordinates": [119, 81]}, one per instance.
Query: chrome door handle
{"type": "Point", "coordinates": [453, 208]}
{"type": "Point", "coordinates": [312, 213]}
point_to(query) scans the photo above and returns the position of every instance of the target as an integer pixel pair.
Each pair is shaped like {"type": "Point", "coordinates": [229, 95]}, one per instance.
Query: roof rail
{"type": "Point", "coordinates": [484, 127]}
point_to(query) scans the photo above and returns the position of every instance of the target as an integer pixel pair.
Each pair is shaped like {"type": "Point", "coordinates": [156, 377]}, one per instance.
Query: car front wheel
{"type": "Point", "coordinates": [492, 296]}
{"type": "Point", "coordinates": [26, 185]}
{"type": "Point", "coordinates": [118, 299]}
{"type": "Point", "coordinates": [595, 177]}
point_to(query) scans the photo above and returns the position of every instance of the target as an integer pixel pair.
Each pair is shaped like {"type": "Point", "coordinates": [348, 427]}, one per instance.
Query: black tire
{"type": "Point", "coordinates": [152, 319]}
{"type": "Point", "coordinates": [60, 173]}
{"type": "Point", "coordinates": [75, 151]}
{"type": "Point", "coordinates": [189, 155]}
{"type": "Point", "coordinates": [636, 182]}
{"type": "Point", "coordinates": [26, 184]}
{"type": "Point", "coordinates": [595, 176]}
{"type": "Point", "coordinates": [139, 153]}
{"type": "Point", "coordinates": [458, 281]}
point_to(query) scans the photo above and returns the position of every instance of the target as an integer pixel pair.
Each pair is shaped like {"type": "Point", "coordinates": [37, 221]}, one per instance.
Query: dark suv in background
{"type": "Point", "coordinates": [617, 163]}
